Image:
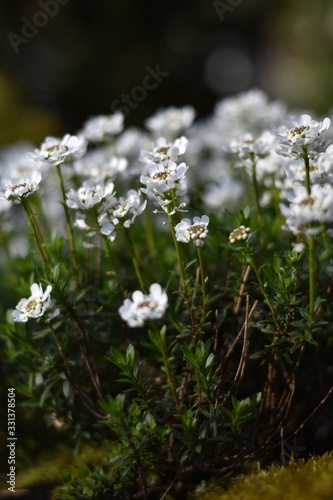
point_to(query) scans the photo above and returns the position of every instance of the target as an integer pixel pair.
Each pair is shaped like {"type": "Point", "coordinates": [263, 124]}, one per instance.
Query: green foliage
{"type": "Point", "coordinates": [203, 387]}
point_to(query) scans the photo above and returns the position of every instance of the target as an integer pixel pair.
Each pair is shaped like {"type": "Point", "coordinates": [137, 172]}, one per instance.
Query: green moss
{"type": "Point", "coordinates": [301, 480]}
{"type": "Point", "coordinates": [49, 466]}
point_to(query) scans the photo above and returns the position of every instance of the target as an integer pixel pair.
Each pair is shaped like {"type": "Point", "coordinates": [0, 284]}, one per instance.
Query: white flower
{"type": "Point", "coordinates": [89, 195]}
{"type": "Point", "coordinates": [272, 167]}
{"type": "Point", "coordinates": [163, 178]}
{"type": "Point", "coordinates": [35, 306]}
{"type": "Point", "coordinates": [196, 232]}
{"type": "Point", "coordinates": [100, 164]}
{"type": "Point", "coordinates": [225, 194]}
{"type": "Point", "coordinates": [14, 161]}
{"type": "Point", "coordinates": [57, 151]}
{"type": "Point", "coordinates": [163, 151]}
{"type": "Point", "coordinates": [251, 148]}
{"type": "Point", "coordinates": [165, 183]}
{"type": "Point", "coordinates": [16, 189]}
{"type": "Point", "coordinates": [103, 128]}
{"type": "Point", "coordinates": [144, 307]}
{"type": "Point", "coordinates": [88, 225]}
{"type": "Point", "coordinates": [245, 112]}
{"type": "Point", "coordinates": [298, 247]}
{"type": "Point", "coordinates": [241, 233]}
{"type": "Point", "coordinates": [320, 170]}
{"type": "Point", "coordinates": [303, 135]}
{"type": "Point", "coordinates": [171, 121]}
{"type": "Point", "coordinates": [125, 209]}
{"type": "Point", "coordinates": [306, 213]}
{"type": "Point", "coordinates": [130, 142]}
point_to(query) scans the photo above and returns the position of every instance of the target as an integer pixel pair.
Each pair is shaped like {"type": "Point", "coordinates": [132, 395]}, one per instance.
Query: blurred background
{"type": "Point", "coordinates": [65, 60]}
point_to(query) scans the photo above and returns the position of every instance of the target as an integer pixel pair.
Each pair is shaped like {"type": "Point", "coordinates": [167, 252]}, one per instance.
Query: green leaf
{"type": "Point", "coordinates": [209, 360]}
{"type": "Point", "coordinates": [235, 404]}
{"type": "Point", "coordinates": [66, 388]}
{"type": "Point", "coordinates": [56, 271]}
{"type": "Point", "coordinates": [130, 354]}
{"type": "Point", "coordinates": [189, 356]}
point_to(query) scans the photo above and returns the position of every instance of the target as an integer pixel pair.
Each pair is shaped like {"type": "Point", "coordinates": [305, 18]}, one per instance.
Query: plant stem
{"type": "Point", "coordinates": [75, 320]}
{"type": "Point", "coordinates": [265, 294]}
{"type": "Point", "coordinates": [108, 250]}
{"type": "Point", "coordinates": [311, 242]}
{"type": "Point", "coordinates": [150, 237]}
{"type": "Point", "coordinates": [180, 263]}
{"type": "Point", "coordinates": [168, 370]}
{"type": "Point", "coordinates": [135, 259]}
{"type": "Point", "coordinates": [311, 278]}
{"type": "Point", "coordinates": [327, 242]}
{"type": "Point", "coordinates": [203, 286]}
{"type": "Point", "coordinates": [111, 257]}
{"type": "Point", "coordinates": [82, 394]}
{"type": "Point", "coordinates": [68, 221]}
{"type": "Point", "coordinates": [182, 276]}
{"type": "Point", "coordinates": [307, 170]}
{"type": "Point", "coordinates": [256, 196]}
{"type": "Point", "coordinates": [43, 253]}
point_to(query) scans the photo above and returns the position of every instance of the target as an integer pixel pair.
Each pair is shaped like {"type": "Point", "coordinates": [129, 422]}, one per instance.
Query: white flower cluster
{"type": "Point", "coordinates": [103, 128]}
{"type": "Point", "coordinates": [104, 206]}
{"type": "Point", "coordinates": [246, 112]}
{"type": "Point", "coordinates": [307, 213]}
{"type": "Point", "coordinates": [171, 121]}
{"type": "Point", "coordinates": [141, 307]}
{"type": "Point", "coordinates": [100, 164]}
{"type": "Point", "coordinates": [56, 151]}
{"type": "Point", "coordinates": [251, 149]}
{"type": "Point", "coordinates": [196, 233]}
{"type": "Point", "coordinates": [16, 189]}
{"type": "Point", "coordinates": [303, 135]}
{"type": "Point", "coordinates": [89, 195]}
{"type": "Point", "coordinates": [166, 179]}
{"type": "Point", "coordinates": [310, 203]}
{"type": "Point", "coordinates": [163, 151]}
{"type": "Point", "coordinates": [103, 155]}
{"type": "Point", "coordinates": [241, 233]}
{"type": "Point", "coordinates": [36, 305]}
{"type": "Point", "coordinates": [116, 209]}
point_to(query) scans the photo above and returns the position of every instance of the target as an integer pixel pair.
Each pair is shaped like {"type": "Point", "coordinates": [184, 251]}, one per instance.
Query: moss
{"type": "Point", "coordinates": [301, 480]}
{"type": "Point", "coordinates": [49, 466]}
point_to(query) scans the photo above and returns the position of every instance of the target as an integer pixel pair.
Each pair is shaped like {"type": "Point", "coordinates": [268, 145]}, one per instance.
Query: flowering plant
{"type": "Point", "coordinates": [182, 360]}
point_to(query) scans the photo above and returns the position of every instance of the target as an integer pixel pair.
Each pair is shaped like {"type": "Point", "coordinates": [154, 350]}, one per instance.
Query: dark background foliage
{"type": "Point", "coordinates": [91, 52]}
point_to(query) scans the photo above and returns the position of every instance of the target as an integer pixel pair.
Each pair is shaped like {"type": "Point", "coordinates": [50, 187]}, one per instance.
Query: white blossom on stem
{"type": "Point", "coordinates": [36, 305]}
{"type": "Point", "coordinates": [163, 151]}
{"type": "Point", "coordinates": [56, 151]}
{"type": "Point", "coordinates": [16, 189]}
{"type": "Point", "coordinates": [166, 184]}
{"type": "Point", "coordinates": [143, 307]}
{"type": "Point", "coordinates": [89, 195]}
{"type": "Point", "coordinates": [102, 128]}
{"type": "Point", "coordinates": [116, 210]}
{"type": "Point", "coordinates": [171, 121]}
{"type": "Point", "coordinates": [306, 213]}
{"type": "Point", "coordinates": [250, 149]}
{"type": "Point", "coordinates": [304, 135]}
{"type": "Point", "coordinates": [195, 232]}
